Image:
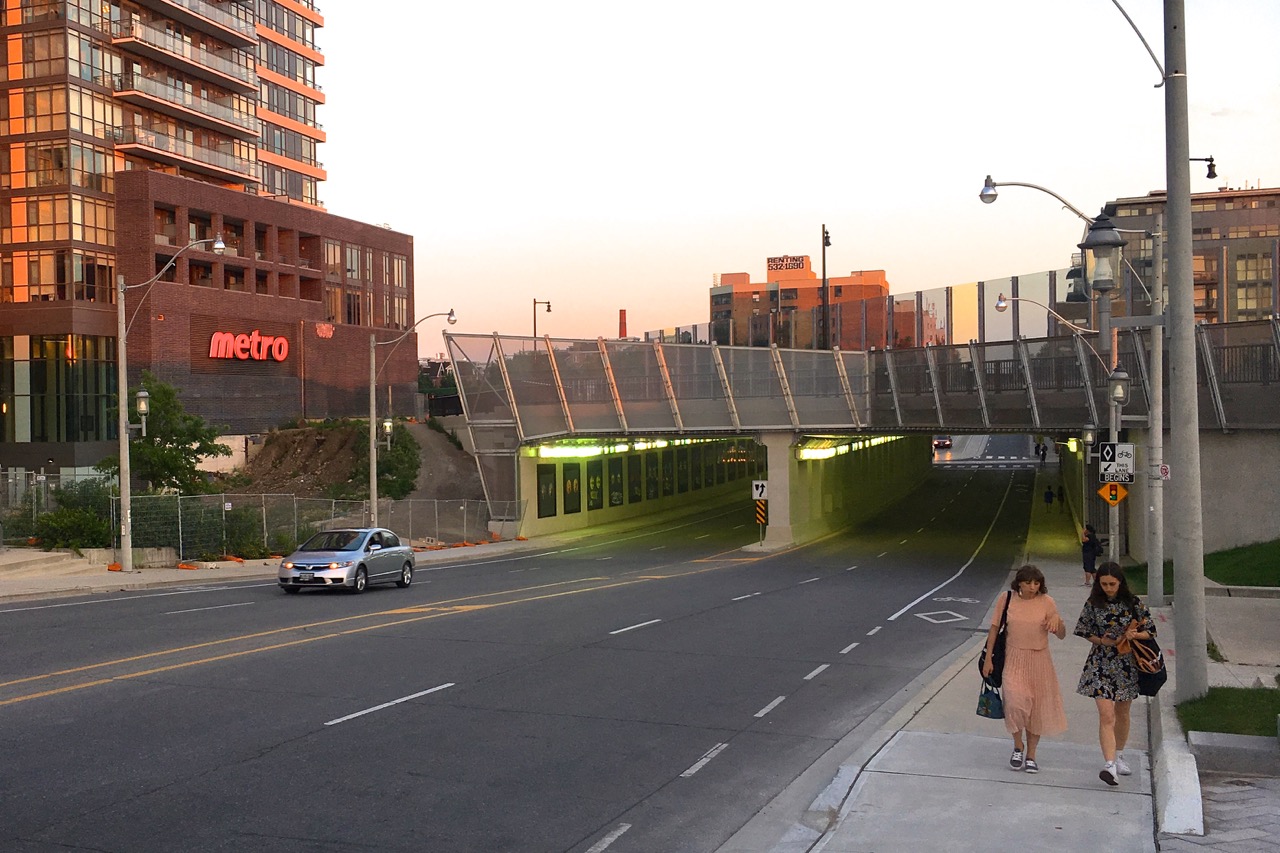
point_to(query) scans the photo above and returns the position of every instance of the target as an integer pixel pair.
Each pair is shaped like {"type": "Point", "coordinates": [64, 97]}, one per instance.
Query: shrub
{"type": "Point", "coordinates": [76, 528]}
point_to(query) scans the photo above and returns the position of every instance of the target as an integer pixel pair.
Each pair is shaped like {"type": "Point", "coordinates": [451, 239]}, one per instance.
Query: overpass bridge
{"type": "Point", "coordinates": [588, 431]}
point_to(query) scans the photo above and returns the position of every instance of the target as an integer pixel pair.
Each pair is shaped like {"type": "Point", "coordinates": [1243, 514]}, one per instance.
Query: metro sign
{"type": "Point", "coordinates": [251, 347]}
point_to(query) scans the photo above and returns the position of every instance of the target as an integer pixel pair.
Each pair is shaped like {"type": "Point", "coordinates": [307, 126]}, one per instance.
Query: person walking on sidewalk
{"type": "Point", "coordinates": [1090, 550]}
{"type": "Point", "coordinates": [1111, 614]}
{"type": "Point", "coordinates": [1032, 698]}
{"type": "Point", "coordinates": [1062, 498]}
{"type": "Point", "coordinates": [1048, 498]}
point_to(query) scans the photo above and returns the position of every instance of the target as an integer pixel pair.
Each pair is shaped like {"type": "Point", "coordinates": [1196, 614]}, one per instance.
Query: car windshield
{"type": "Point", "coordinates": [333, 540]}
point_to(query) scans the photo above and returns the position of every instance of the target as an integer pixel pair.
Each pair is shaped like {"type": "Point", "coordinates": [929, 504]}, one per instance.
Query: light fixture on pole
{"type": "Point", "coordinates": [125, 557]}
{"type": "Point", "coordinates": [374, 370]}
{"type": "Point", "coordinates": [1089, 435]}
{"type": "Point", "coordinates": [1212, 172]}
{"type": "Point", "coordinates": [1102, 247]}
{"type": "Point", "coordinates": [536, 303]}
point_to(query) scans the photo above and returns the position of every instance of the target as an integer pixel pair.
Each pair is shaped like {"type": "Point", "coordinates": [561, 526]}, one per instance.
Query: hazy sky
{"type": "Point", "coordinates": [608, 155]}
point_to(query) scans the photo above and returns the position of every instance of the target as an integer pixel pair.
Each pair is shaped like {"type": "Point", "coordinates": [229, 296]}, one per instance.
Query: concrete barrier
{"type": "Point", "coordinates": [1175, 777]}
{"type": "Point", "coordinates": [1253, 755]}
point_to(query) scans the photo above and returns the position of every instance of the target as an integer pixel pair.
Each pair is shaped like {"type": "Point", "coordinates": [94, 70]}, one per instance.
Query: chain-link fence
{"type": "Point", "coordinates": [205, 527]}
{"type": "Point", "coordinates": [199, 527]}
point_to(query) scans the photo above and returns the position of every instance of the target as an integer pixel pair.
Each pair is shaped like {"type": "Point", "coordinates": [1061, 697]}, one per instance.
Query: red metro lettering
{"type": "Point", "coordinates": [255, 346]}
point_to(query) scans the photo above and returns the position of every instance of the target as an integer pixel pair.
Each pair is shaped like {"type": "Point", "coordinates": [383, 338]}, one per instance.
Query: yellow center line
{"type": "Point", "coordinates": [430, 611]}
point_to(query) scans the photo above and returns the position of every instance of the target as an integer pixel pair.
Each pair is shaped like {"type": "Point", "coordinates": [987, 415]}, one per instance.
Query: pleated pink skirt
{"type": "Point", "coordinates": [1032, 696]}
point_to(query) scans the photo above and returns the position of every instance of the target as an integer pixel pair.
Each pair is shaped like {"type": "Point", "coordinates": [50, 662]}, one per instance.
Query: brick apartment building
{"type": "Point", "coordinates": [133, 128]}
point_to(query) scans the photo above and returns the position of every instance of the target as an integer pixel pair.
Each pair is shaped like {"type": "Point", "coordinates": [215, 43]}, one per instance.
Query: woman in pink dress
{"type": "Point", "coordinates": [1032, 698]}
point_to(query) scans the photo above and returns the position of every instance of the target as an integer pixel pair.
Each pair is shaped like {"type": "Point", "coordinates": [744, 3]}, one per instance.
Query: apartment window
{"type": "Point", "coordinates": [166, 226]}
{"type": "Point", "coordinates": [44, 54]}
{"type": "Point", "coordinates": [353, 303]}
{"type": "Point", "coordinates": [332, 303]}
{"type": "Point", "coordinates": [1252, 291]}
{"type": "Point", "coordinates": [353, 262]}
{"type": "Point", "coordinates": [332, 260]}
{"type": "Point", "coordinates": [44, 276]}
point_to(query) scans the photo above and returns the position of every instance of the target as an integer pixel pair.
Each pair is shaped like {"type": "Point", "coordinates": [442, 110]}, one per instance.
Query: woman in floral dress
{"type": "Point", "coordinates": [1111, 615]}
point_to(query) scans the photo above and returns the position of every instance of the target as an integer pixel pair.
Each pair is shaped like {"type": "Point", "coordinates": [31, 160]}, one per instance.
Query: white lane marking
{"type": "Point", "coordinates": [603, 844]}
{"type": "Point", "coordinates": [851, 568]}
{"type": "Point", "coordinates": [767, 708]}
{"type": "Point", "coordinates": [849, 648]}
{"type": "Point", "coordinates": [883, 553]}
{"type": "Point", "coordinates": [633, 627]}
{"type": "Point", "coordinates": [903, 542]}
{"type": "Point", "coordinates": [389, 704]}
{"type": "Point", "coordinates": [659, 548]}
{"type": "Point", "coordinates": [739, 527]}
{"type": "Point", "coordinates": [994, 518]}
{"type": "Point", "coordinates": [134, 597]}
{"type": "Point", "coordinates": [810, 580]}
{"type": "Point", "coordinates": [702, 762]}
{"type": "Point", "coordinates": [874, 631]}
{"type": "Point", "coordinates": [921, 530]}
{"type": "Point", "coordinates": [810, 676]}
{"type": "Point", "coordinates": [745, 597]}
{"type": "Point", "coordinates": [215, 607]}
{"type": "Point", "coordinates": [703, 536]}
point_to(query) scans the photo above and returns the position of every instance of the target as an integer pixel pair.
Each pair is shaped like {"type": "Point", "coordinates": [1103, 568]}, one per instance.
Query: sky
{"type": "Point", "coordinates": [612, 155]}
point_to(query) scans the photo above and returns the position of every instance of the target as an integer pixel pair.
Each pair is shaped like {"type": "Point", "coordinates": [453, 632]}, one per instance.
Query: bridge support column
{"type": "Point", "coordinates": [781, 456]}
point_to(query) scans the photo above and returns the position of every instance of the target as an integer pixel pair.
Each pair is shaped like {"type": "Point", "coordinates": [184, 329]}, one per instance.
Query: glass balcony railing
{"type": "Point", "coordinates": [174, 46]}
{"type": "Point", "coordinates": [159, 142]}
{"type": "Point", "coordinates": [187, 100]}
{"type": "Point", "coordinates": [209, 12]}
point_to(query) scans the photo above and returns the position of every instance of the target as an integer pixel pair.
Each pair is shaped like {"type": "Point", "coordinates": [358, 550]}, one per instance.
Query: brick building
{"type": "Point", "coordinates": [132, 129]}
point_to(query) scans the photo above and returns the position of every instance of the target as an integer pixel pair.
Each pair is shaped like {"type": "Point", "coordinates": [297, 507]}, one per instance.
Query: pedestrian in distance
{"type": "Point", "coordinates": [1044, 454]}
{"type": "Point", "coordinates": [1036, 452]}
{"type": "Point", "coordinates": [1061, 496]}
{"type": "Point", "coordinates": [1048, 498]}
{"type": "Point", "coordinates": [1112, 615]}
{"type": "Point", "coordinates": [1032, 698]}
{"type": "Point", "coordinates": [1090, 551]}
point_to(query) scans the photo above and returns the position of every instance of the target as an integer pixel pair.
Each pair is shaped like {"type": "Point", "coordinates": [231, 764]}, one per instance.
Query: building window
{"type": "Point", "coordinates": [1252, 292]}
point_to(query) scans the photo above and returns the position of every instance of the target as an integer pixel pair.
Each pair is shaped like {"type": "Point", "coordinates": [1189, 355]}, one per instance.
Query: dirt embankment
{"type": "Point", "coordinates": [309, 462]}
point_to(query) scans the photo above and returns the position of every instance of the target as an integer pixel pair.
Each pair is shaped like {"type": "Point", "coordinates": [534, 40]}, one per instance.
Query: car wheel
{"type": "Point", "coordinates": [291, 589]}
{"type": "Point", "coordinates": [406, 576]}
{"type": "Point", "coordinates": [362, 581]}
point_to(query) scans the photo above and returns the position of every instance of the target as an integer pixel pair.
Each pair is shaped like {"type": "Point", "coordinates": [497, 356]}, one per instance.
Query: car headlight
{"type": "Point", "coordinates": [341, 564]}
{"type": "Point", "coordinates": [287, 564]}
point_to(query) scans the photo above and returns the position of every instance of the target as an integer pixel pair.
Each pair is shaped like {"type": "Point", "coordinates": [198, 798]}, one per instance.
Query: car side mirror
{"type": "Point", "coordinates": [374, 547]}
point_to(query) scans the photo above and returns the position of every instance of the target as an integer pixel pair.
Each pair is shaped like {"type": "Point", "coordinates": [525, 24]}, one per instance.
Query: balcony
{"type": "Point", "coordinates": [165, 149]}
{"type": "Point", "coordinates": [154, 43]}
{"type": "Point", "coordinates": [207, 18]}
{"type": "Point", "coordinates": [171, 100]}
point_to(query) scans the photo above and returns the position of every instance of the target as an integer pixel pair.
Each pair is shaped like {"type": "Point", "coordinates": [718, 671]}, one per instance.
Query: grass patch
{"type": "Point", "coordinates": [1250, 565]}
{"type": "Point", "coordinates": [1232, 710]}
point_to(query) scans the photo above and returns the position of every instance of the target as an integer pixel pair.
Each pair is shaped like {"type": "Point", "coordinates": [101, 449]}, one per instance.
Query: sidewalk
{"type": "Point", "coordinates": [934, 775]}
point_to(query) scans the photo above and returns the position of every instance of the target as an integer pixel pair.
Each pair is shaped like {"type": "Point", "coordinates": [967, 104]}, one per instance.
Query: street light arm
{"type": "Point", "coordinates": [1002, 303]}
{"type": "Point", "coordinates": [396, 341]}
{"type": "Point", "coordinates": [1143, 39]}
{"type": "Point", "coordinates": [988, 195]}
{"type": "Point", "coordinates": [218, 247]}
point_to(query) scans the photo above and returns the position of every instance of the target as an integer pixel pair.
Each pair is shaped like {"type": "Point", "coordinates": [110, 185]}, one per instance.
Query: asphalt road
{"type": "Point", "coordinates": [639, 692]}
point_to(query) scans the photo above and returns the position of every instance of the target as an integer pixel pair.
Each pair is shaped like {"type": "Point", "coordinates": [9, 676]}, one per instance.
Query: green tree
{"type": "Point", "coordinates": [166, 457]}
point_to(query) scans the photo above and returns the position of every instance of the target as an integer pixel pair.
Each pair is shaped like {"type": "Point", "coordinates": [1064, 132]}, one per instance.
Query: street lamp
{"type": "Point", "coordinates": [122, 394]}
{"type": "Point", "coordinates": [1102, 246]}
{"type": "Point", "coordinates": [824, 341]}
{"type": "Point", "coordinates": [1155, 415]}
{"type": "Point", "coordinates": [374, 343]}
{"type": "Point", "coordinates": [536, 303]}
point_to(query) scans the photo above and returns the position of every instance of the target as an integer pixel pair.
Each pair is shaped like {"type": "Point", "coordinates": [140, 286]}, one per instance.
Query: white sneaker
{"type": "Point", "coordinates": [1108, 773]}
{"type": "Point", "coordinates": [1122, 766]}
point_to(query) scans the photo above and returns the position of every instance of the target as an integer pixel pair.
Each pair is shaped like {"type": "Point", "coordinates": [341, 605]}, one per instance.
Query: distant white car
{"type": "Point", "coordinates": [941, 441]}
{"type": "Point", "coordinates": [348, 559]}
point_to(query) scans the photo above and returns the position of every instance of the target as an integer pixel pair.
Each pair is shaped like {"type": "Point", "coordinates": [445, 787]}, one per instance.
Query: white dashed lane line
{"type": "Point", "coordinates": [849, 648]}
{"type": "Point", "coordinates": [811, 675]}
{"type": "Point", "coordinates": [702, 762]}
{"type": "Point", "coordinates": [745, 597]}
{"type": "Point", "coordinates": [767, 708]}
{"type": "Point", "coordinates": [389, 704]}
{"type": "Point", "coordinates": [874, 631]}
{"type": "Point", "coordinates": [633, 627]}
{"type": "Point", "coordinates": [810, 580]}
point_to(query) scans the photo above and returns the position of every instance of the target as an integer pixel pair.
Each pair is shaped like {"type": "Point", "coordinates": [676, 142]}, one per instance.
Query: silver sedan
{"type": "Point", "coordinates": [348, 559]}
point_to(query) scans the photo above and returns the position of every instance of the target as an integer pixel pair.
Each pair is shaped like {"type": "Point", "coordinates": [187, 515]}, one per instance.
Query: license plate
{"type": "Point", "coordinates": [306, 576]}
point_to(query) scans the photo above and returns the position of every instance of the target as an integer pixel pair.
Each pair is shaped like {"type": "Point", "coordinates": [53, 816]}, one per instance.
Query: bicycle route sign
{"type": "Point", "coordinates": [1115, 462]}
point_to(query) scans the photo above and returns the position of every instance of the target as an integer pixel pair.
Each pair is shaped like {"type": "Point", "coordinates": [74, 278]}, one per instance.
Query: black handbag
{"type": "Point", "coordinates": [997, 649]}
{"type": "Point", "coordinates": [1148, 659]}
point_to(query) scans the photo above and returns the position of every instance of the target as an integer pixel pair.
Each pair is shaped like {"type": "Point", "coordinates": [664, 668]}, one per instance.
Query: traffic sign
{"type": "Point", "coordinates": [759, 490]}
{"type": "Point", "coordinates": [1115, 462]}
{"type": "Point", "coordinates": [762, 512]}
{"type": "Point", "coordinates": [1113, 493]}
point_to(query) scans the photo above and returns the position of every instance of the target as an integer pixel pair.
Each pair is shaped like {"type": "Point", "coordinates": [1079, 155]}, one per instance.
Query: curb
{"type": "Point", "coordinates": [1175, 777]}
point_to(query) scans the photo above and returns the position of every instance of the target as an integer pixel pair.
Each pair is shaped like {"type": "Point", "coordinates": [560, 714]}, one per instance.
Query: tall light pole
{"type": "Point", "coordinates": [122, 397]}
{"type": "Point", "coordinates": [536, 303]}
{"type": "Point", "coordinates": [374, 343]}
{"type": "Point", "coordinates": [824, 341]}
{"type": "Point", "coordinates": [1184, 420]}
